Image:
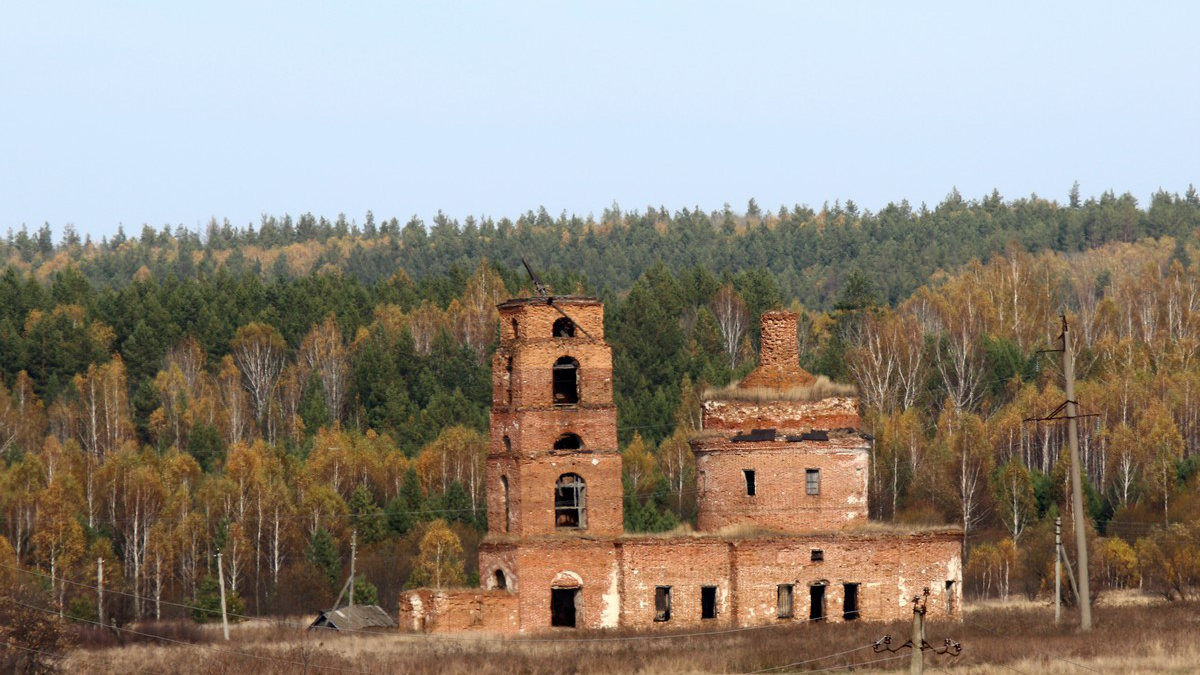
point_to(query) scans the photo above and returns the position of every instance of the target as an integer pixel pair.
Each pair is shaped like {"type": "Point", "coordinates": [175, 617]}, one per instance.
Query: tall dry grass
{"type": "Point", "coordinates": [822, 388]}
{"type": "Point", "coordinates": [1129, 638]}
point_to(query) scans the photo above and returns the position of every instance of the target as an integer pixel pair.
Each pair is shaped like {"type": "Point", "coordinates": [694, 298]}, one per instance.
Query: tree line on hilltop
{"type": "Point", "coordinates": [266, 392]}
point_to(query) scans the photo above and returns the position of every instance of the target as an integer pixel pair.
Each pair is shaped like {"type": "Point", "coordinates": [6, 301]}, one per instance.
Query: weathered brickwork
{"type": "Point", "coordinates": [531, 487]}
{"type": "Point", "coordinates": [535, 317]}
{"type": "Point", "coordinates": [888, 568]}
{"type": "Point", "coordinates": [540, 573]}
{"type": "Point", "coordinates": [533, 433]}
{"type": "Point", "coordinates": [683, 565]}
{"type": "Point", "coordinates": [786, 417]}
{"type": "Point", "coordinates": [779, 339]}
{"type": "Point", "coordinates": [781, 484]}
{"type": "Point", "coordinates": [456, 611]}
{"type": "Point", "coordinates": [527, 426]}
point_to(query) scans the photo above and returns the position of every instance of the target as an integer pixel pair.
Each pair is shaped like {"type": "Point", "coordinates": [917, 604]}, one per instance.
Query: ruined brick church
{"type": "Point", "coordinates": [781, 480]}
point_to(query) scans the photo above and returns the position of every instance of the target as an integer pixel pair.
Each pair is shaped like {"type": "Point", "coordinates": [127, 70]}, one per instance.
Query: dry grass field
{"type": "Point", "coordinates": [1133, 635]}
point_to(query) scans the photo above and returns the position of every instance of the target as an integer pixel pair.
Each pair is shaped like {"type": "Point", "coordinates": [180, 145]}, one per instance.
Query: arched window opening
{"type": "Point", "coordinates": [570, 502]}
{"type": "Point", "coordinates": [504, 492]}
{"type": "Point", "coordinates": [566, 382]}
{"type": "Point", "coordinates": [501, 583]}
{"type": "Point", "coordinates": [508, 369]}
{"type": "Point", "coordinates": [569, 442]}
{"type": "Point", "coordinates": [507, 446]}
{"type": "Point", "coordinates": [563, 328]}
{"type": "Point", "coordinates": [516, 330]}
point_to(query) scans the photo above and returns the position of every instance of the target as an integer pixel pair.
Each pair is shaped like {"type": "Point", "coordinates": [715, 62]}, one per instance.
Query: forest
{"type": "Point", "coordinates": [266, 391]}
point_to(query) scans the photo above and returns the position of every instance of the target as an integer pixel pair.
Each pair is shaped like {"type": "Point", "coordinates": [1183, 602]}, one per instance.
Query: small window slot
{"type": "Point", "coordinates": [817, 555]}
{"type": "Point", "coordinates": [812, 481]}
{"type": "Point", "coordinates": [750, 486]}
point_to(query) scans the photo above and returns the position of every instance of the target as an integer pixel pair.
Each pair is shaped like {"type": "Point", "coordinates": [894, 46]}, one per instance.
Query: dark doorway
{"type": "Point", "coordinates": [662, 603]}
{"type": "Point", "coordinates": [562, 606]}
{"type": "Point", "coordinates": [564, 328]}
{"type": "Point", "coordinates": [750, 487]}
{"type": "Point", "coordinates": [708, 602]}
{"type": "Point", "coordinates": [501, 582]}
{"type": "Point", "coordinates": [950, 597]}
{"type": "Point", "coordinates": [566, 382]}
{"type": "Point", "coordinates": [850, 602]}
{"type": "Point", "coordinates": [816, 602]}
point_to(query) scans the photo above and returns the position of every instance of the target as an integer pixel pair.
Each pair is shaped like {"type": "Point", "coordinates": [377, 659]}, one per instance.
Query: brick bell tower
{"type": "Point", "coordinates": [553, 467]}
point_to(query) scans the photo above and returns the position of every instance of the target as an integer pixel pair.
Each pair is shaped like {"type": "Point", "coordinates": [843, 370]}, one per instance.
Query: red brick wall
{"type": "Point", "coordinates": [779, 340]}
{"type": "Point", "coordinates": [532, 374]}
{"type": "Point", "coordinates": [533, 434]}
{"type": "Point", "coordinates": [593, 562]}
{"type": "Point", "coordinates": [889, 568]}
{"type": "Point", "coordinates": [683, 564]}
{"type": "Point", "coordinates": [535, 318]}
{"type": "Point", "coordinates": [458, 611]}
{"type": "Point", "coordinates": [839, 412]}
{"type": "Point", "coordinates": [781, 501]}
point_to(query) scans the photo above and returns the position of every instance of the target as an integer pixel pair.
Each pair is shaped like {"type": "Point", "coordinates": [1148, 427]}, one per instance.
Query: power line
{"type": "Point", "coordinates": [294, 624]}
{"type": "Point", "coordinates": [64, 657]}
{"type": "Point", "coordinates": [200, 644]}
{"type": "Point", "coordinates": [819, 658]}
{"type": "Point", "coordinates": [832, 668]}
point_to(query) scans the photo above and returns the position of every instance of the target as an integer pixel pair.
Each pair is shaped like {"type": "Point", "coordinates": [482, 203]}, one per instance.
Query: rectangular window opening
{"type": "Point", "coordinates": [950, 597]}
{"type": "Point", "coordinates": [850, 602]}
{"type": "Point", "coordinates": [662, 603]}
{"type": "Point", "coordinates": [783, 594]}
{"type": "Point", "coordinates": [812, 481]}
{"type": "Point", "coordinates": [817, 555]}
{"type": "Point", "coordinates": [816, 604]}
{"type": "Point", "coordinates": [708, 602]}
{"type": "Point", "coordinates": [749, 473]}
{"type": "Point", "coordinates": [563, 603]}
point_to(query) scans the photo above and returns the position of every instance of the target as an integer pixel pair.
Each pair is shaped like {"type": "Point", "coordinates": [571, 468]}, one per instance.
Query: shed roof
{"type": "Point", "coordinates": [358, 617]}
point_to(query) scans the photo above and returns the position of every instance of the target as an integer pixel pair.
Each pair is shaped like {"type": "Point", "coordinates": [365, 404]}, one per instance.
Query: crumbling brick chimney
{"type": "Point", "coordinates": [779, 344]}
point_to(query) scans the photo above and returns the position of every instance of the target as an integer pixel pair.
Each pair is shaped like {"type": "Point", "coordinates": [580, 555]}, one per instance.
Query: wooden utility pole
{"type": "Point", "coordinates": [1057, 569]}
{"type": "Point", "coordinates": [353, 553]}
{"type": "Point", "coordinates": [917, 665]}
{"type": "Point", "coordinates": [1085, 596]}
{"type": "Point", "coordinates": [221, 582]}
{"type": "Point", "coordinates": [918, 643]}
{"type": "Point", "coordinates": [100, 590]}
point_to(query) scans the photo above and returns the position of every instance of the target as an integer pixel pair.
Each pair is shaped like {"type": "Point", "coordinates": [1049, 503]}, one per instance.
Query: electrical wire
{"type": "Point", "coordinates": [833, 668]}
{"type": "Point", "coordinates": [293, 624]}
{"type": "Point", "coordinates": [64, 656]}
{"type": "Point", "coordinates": [819, 658]}
{"type": "Point", "coordinates": [201, 645]}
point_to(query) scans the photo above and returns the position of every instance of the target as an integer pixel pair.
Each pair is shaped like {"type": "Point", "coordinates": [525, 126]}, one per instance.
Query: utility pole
{"type": "Point", "coordinates": [100, 590]}
{"type": "Point", "coordinates": [221, 577]}
{"type": "Point", "coordinates": [1085, 596]}
{"type": "Point", "coordinates": [917, 665]}
{"type": "Point", "coordinates": [1057, 569]}
{"type": "Point", "coordinates": [1071, 415]}
{"type": "Point", "coordinates": [918, 643]}
{"type": "Point", "coordinates": [353, 553]}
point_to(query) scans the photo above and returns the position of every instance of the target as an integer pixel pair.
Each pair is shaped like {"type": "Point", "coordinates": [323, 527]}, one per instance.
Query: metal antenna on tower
{"type": "Point", "coordinates": [543, 291]}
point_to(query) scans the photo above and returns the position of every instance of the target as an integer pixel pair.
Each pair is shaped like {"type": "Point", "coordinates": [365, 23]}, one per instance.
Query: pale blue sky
{"type": "Point", "coordinates": [174, 112]}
